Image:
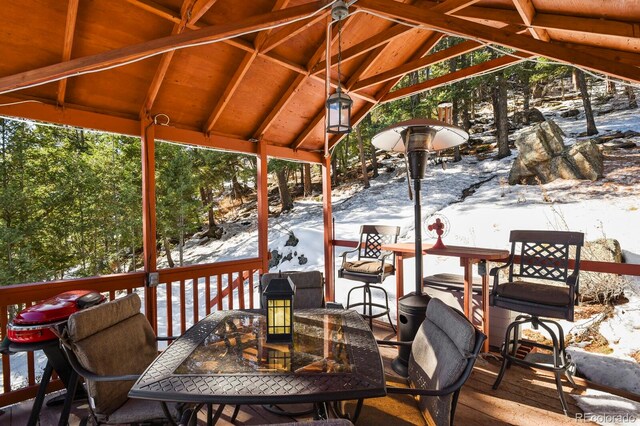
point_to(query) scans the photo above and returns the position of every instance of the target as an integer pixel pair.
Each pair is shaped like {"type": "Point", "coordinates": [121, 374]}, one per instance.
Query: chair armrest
{"type": "Point", "coordinates": [395, 343]}
{"type": "Point", "coordinates": [383, 255]}
{"type": "Point", "coordinates": [424, 392]}
{"type": "Point", "coordinates": [494, 271]}
{"type": "Point", "coordinates": [333, 305]}
{"type": "Point", "coordinates": [345, 253]}
{"type": "Point", "coordinates": [166, 338]}
{"type": "Point", "coordinates": [89, 375]}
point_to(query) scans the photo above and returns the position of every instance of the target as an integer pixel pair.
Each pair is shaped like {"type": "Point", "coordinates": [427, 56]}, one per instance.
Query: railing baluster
{"type": "Point", "coordinates": [112, 294]}
{"type": "Point", "coordinates": [194, 284]}
{"type": "Point", "coordinates": [241, 289]}
{"type": "Point", "coordinates": [251, 272]}
{"type": "Point", "coordinates": [169, 310]}
{"type": "Point", "coordinates": [207, 294]}
{"type": "Point", "coordinates": [6, 367]}
{"type": "Point", "coordinates": [230, 290]}
{"type": "Point", "coordinates": [219, 288]}
{"type": "Point", "coordinates": [183, 312]}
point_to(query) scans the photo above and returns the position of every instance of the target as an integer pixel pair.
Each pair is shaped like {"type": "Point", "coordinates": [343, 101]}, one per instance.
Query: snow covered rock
{"type": "Point", "coordinates": [543, 157]}
{"type": "Point", "coordinates": [530, 116]}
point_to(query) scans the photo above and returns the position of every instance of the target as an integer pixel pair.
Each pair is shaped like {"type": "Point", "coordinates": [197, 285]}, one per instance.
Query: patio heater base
{"type": "Point", "coordinates": [412, 311]}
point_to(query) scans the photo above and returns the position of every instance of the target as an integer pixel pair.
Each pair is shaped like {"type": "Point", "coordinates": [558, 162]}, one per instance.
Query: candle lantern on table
{"type": "Point", "coordinates": [418, 139]}
{"type": "Point", "coordinates": [279, 295]}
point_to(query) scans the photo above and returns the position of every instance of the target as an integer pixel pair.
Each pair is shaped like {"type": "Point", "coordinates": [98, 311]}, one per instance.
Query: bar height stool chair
{"type": "Point", "coordinates": [372, 266]}
{"type": "Point", "coordinates": [543, 259]}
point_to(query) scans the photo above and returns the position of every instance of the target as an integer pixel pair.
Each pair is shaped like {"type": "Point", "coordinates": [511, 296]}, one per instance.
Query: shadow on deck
{"type": "Point", "coordinates": [525, 397]}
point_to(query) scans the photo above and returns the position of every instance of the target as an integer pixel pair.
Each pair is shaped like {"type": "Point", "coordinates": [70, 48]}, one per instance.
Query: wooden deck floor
{"type": "Point", "coordinates": [525, 397]}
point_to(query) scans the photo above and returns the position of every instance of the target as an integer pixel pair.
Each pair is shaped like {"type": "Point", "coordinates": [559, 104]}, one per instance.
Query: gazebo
{"type": "Point", "coordinates": [253, 77]}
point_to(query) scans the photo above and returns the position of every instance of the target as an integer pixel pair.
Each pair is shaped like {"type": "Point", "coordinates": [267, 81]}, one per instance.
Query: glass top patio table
{"type": "Point", "coordinates": [224, 358]}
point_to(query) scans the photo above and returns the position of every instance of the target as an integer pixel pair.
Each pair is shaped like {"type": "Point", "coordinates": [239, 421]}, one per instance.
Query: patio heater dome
{"type": "Point", "coordinates": [446, 135]}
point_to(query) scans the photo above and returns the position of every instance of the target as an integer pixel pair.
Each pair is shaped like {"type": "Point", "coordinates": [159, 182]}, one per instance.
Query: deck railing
{"type": "Point", "coordinates": [214, 286]}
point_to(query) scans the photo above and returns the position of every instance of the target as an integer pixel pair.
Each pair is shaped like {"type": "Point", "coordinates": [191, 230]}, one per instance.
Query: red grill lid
{"type": "Point", "coordinates": [58, 308]}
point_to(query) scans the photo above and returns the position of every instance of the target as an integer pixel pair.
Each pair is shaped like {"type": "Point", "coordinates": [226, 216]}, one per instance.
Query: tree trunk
{"type": "Point", "coordinates": [586, 102]}
{"type": "Point", "coordinates": [526, 88]}
{"type": "Point", "coordinates": [167, 250]}
{"type": "Point", "coordinates": [334, 171]}
{"type": "Point", "coordinates": [631, 95]}
{"type": "Point", "coordinates": [307, 180]}
{"type": "Point", "coordinates": [611, 87]}
{"type": "Point", "coordinates": [236, 188]}
{"type": "Point", "coordinates": [574, 79]}
{"type": "Point", "coordinates": [414, 100]}
{"type": "Point", "coordinates": [499, 100]}
{"type": "Point", "coordinates": [363, 163]}
{"type": "Point", "coordinates": [285, 195]}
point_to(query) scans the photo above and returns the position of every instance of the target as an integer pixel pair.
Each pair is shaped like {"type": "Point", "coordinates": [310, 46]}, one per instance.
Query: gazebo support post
{"type": "Point", "coordinates": [263, 206]}
{"type": "Point", "coordinates": [327, 218]}
{"type": "Point", "coordinates": [147, 139]}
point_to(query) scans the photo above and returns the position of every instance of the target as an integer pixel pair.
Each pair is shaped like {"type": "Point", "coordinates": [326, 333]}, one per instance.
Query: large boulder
{"type": "Point", "coordinates": [597, 286]}
{"type": "Point", "coordinates": [529, 116]}
{"type": "Point", "coordinates": [543, 157]}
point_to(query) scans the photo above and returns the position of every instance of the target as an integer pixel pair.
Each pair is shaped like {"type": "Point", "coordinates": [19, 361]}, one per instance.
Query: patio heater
{"type": "Point", "coordinates": [418, 139]}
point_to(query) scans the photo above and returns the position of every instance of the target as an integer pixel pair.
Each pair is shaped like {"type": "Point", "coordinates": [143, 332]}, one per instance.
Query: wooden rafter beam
{"type": "Point", "coordinates": [290, 31]}
{"type": "Point", "coordinates": [527, 13]}
{"type": "Point", "coordinates": [491, 65]}
{"type": "Point", "coordinates": [189, 16]}
{"type": "Point", "coordinates": [558, 51]}
{"type": "Point", "coordinates": [384, 37]}
{"type": "Point", "coordinates": [72, 116]}
{"type": "Point", "coordinates": [230, 89]}
{"type": "Point", "coordinates": [434, 58]}
{"type": "Point", "coordinates": [121, 56]}
{"type": "Point", "coordinates": [363, 68]}
{"type": "Point", "coordinates": [69, 31]}
{"type": "Point", "coordinates": [241, 71]}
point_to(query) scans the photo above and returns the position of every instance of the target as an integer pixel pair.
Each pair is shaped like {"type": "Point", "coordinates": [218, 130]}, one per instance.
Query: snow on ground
{"type": "Point", "coordinates": [608, 208]}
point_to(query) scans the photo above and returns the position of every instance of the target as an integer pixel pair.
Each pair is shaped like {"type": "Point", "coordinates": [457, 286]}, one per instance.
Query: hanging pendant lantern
{"type": "Point", "coordinates": [339, 103]}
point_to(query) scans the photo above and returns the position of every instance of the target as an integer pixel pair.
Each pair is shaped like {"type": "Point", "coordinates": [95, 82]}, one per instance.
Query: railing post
{"type": "Point", "coordinates": [263, 206]}
{"type": "Point", "coordinates": [149, 215]}
{"type": "Point", "coordinates": [327, 215]}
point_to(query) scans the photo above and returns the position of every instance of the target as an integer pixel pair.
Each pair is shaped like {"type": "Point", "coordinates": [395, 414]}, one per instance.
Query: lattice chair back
{"type": "Point", "coordinates": [372, 237]}
{"type": "Point", "coordinates": [545, 255]}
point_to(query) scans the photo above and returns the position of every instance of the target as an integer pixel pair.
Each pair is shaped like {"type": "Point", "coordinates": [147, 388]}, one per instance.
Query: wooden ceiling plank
{"type": "Point", "coordinates": [434, 58]}
{"type": "Point", "coordinates": [364, 67]}
{"type": "Point", "coordinates": [69, 31]}
{"type": "Point", "coordinates": [292, 88]}
{"type": "Point", "coordinates": [139, 51]}
{"type": "Point", "coordinates": [231, 88]}
{"type": "Point", "coordinates": [452, 77]}
{"type": "Point", "coordinates": [302, 137]}
{"type": "Point", "coordinates": [290, 31]}
{"type": "Point", "coordinates": [556, 50]}
{"type": "Point", "coordinates": [191, 11]}
{"type": "Point", "coordinates": [527, 13]}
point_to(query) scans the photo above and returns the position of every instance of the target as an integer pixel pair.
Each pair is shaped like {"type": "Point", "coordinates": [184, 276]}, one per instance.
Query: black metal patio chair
{"type": "Point", "coordinates": [532, 288]}
{"type": "Point", "coordinates": [371, 266]}
{"type": "Point", "coordinates": [443, 354]}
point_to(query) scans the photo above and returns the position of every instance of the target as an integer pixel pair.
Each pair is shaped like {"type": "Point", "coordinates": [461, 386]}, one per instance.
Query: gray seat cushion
{"type": "Point", "coordinates": [554, 295]}
{"type": "Point", "coordinates": [138, 411]}
{"type": "Point", "coordinates": [309, 287]}
{"type": "Point", "coordinates": [112, 339]}
{"type": "Point", "coordinates": [439, 354]}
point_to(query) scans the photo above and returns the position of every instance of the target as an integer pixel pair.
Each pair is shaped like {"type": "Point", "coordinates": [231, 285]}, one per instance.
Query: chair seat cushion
{"type": "Point", "coordinates": [554, 295]}
{"type": "Point", "coordinates": [367, 267]}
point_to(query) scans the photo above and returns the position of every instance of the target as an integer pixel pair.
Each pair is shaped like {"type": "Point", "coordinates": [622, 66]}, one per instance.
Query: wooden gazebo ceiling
{"type": "Point", "coordinates": [237, 88]}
